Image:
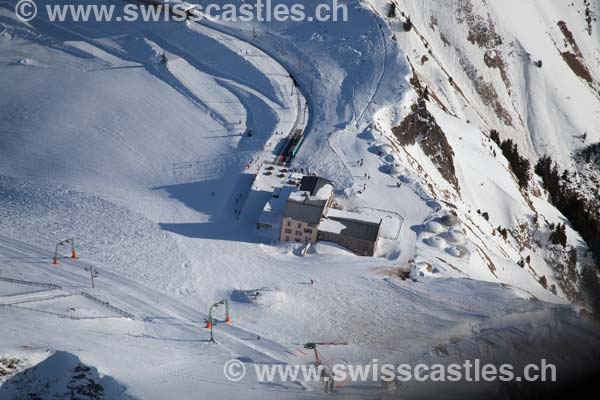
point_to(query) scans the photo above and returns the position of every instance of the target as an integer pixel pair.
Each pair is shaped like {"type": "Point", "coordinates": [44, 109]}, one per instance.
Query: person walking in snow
{"type": "Point", "coordinates": [331, 382]}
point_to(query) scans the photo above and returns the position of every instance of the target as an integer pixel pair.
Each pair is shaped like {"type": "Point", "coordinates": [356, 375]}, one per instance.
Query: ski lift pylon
{"type": "Point", "coordinates": [64, 243]}
{"type": "Point", "coordinates": [210, 320]}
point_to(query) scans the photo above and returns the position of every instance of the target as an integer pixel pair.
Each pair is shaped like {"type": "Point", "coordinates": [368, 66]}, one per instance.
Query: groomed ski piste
{"type": "Point", "coordinates": [132, 138]}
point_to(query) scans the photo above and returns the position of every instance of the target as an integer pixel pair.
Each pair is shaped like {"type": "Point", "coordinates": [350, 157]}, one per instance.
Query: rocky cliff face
{"type": "Point", "coordinates": [420, 127]}
{"type": "Point", "coordinates": [525, 70]}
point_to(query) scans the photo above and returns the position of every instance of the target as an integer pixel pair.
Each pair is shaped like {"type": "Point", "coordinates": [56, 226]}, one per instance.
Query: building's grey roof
{"type": "Point", "coordinates": [312, 184]}
{"type": "Point", "coordinates": [309, 210]}
{"type": "Point", "coordinates": [362, 230]}
{"type": "Point", "coordinates": [273, 208]}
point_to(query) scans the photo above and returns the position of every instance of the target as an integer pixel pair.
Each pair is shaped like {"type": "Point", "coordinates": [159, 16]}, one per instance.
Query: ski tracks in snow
{"type": "Point", "coordinates": [138, 300]}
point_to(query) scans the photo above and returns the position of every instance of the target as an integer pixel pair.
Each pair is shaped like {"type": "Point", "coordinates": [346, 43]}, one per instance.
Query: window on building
{"type": "Point", "coordinates": [308, 230]}
{"type": "Point", "coordinates": [287, 238]}
{"type": "Point", "coordinates": [289, 223]}
{"type": "Point", "coordinates": [299, 225]}
{"type": "Point", "coordinates": [288, 231]}
{"type": "Point", "coordinates": [298, 233]}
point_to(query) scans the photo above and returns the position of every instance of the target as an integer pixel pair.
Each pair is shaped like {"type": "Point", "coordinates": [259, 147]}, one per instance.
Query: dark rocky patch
{"type": "Point", "coordinates": [574, 59]}
{"type": "Point", "coordinates": [577, 66]}
{"type": "Point", "coordinates": [420, 127]}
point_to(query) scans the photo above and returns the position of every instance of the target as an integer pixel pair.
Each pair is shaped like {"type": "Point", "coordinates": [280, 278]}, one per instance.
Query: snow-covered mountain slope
{"type": "Point", "coordinates": [479, 58]}
{"type": "Point", "coordinates": [131, 138]}
{"type": "Point", "coordinates": [479, 64]}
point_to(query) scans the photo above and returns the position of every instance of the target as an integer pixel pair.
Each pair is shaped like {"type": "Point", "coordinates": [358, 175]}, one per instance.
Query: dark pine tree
{"type": "Point", "coordinates": [579, 211]}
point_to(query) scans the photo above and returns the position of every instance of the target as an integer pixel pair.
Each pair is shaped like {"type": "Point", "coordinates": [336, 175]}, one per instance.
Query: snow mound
{"type": "Point", "coordinates": [384, 149]}
{"type": "Point", "coordinates": [392, 169]}
{"type": "Point", "coordinates": [435, 241]}
{"type": "Point", "coordinates": [390, 158]}
{"type": "Point", "coordinates": [448, 220]}
{"type": "Point", "coordinates": [454, 236]}
{"type": "Point", "coordinates": [453, 251]}
{"type": "Point", "coordinates": [434, 227]}
{"type": "Point", "coordinates": [457, 251]}
{"type": "Point", "coordinates": [423, 269]}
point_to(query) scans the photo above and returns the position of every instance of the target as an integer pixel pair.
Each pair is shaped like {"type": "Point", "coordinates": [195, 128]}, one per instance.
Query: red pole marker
{"type": "Point", "coordinates": [64, 243]}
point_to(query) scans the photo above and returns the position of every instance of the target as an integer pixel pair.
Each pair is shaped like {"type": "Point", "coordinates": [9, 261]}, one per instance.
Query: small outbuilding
{"type": "Point", "coordinates": [351, 231]}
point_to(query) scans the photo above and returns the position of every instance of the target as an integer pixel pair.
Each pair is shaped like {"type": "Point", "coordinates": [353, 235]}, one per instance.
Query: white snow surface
{"type": "Point", "coordinates": [147, 165]}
